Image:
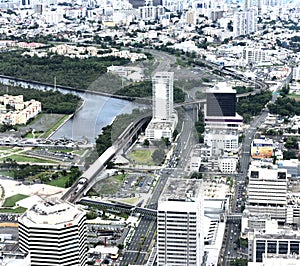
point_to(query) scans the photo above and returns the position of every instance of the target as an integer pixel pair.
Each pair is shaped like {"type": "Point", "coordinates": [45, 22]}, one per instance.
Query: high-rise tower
{"type": "Point", "coordinates": [180, 217]}
{"type": "Point", "coordinates": [162, 95]}
{"type": "Point", "coordinates": [53, 233]}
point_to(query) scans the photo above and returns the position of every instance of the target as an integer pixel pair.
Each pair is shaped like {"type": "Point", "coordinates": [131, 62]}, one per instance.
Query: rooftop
{"type": "Point", "coordinates": [51, 212]}
{"type": "Point", "coordinates": [178, 189]}
{"type": "Point", "coordinates": [221, 87]}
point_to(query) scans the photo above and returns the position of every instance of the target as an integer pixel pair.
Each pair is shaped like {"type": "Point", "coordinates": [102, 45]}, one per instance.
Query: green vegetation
{"type": "Point", "coordinates": [29, 159]}
{"type": "Point", "coordinates": [196, 175]}
{"type": "Point", "coordinates": [108, 186]}
{"type": "Point", "coordinates": [138, 89]}
{"type": "Point", "coordinates": [239, 262]}
{"type": "Point", "coordinates": [158, 156]}
{"type": "Point", "coordinates": [104, 140]}
{"type": "Point", "coordinates": [91, 215]}
{"type": "Point", "coordinates": [46, 174]}
{"type": "Point", "coordinates": [242, 89]}
{"type": "Point", "coordinates": [122, 121]}
{"type": "Point", "coordinates": [14, 210]}
{"type": "Point", "coordinates": [144, 89]}
{"type": "Point", "coordinates": [285, 106]}
{"type": "Point", "coordinates": [59, 182]}
{"type": "Point", "coordinates": [73, 72]}
{"type": "Point", "coordinates": [200, 126]}
{"type": "Point", "coordinates": [11, 201]}
{"type": "Point", "coordinates": [141, 156]}
{"type": "Point", "coordinates": [52, 101]}
{"type": "Point", "coordinates": [252, 105]}
{"type": "Point", "coordinates": [54, 126]}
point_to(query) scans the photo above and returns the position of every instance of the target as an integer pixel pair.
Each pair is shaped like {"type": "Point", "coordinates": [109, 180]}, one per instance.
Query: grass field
{"type": "Point", "coordinates": [130, 200]}
{"type": "Point", "coordinates": [55, 126]}
{"type": "Point", "coordinates": [16, 210]}
{"type": "Point", "coordinates": [110, 185]}
{"type": "Point", "coordinates": [59, 182]}
{"type": "Point", "coordinates": [141, 157]}
{"type": "Point", "coordinates": [24, 158]}
{"type": "Point", "coordinates": [11, 201]}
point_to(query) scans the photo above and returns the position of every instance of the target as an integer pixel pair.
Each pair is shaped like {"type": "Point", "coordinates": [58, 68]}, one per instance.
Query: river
{"type": "Point", "coordinates": [97, 112]}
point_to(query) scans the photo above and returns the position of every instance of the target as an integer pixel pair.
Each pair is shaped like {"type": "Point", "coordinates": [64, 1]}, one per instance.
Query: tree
{"type": "Point", "coordinates": [196, 175]}
{"type": "Point", "coordinates": [158, 156]}
{"type": "Point", "coordinates": [146, 142]}
{"type": "Point", "coordinates": [91, 215]}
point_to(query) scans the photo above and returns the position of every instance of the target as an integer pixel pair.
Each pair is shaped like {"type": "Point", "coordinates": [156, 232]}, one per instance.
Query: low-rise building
{"type": "Point", "coordinates": [13, 110]}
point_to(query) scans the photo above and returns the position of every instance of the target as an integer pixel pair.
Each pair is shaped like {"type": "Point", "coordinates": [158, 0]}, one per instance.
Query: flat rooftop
{"type": "Point", "coordinates": [185, 190]}
{"type": "Point", "coordinates": [221, 87]}
{"type": "Point", "coordinates": [52, 212]}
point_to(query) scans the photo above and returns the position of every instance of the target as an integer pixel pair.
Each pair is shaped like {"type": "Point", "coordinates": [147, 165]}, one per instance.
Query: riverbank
{"type": "Point", "coordinates": [12, 81]}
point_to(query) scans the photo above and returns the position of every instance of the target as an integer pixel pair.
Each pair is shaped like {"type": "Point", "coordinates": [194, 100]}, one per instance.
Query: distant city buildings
{"type": "Point", "coordinates": [54, 233]}
{"type": "Point", "coordinates": [180, 238]}
{"type": "Point", "coordinates": [14, 111]}
{"type": "Point", "coordinates": [164, 118]}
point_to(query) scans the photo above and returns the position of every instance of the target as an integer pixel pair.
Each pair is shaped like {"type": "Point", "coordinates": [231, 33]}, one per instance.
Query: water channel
{"type": "Point", "coordinates": [97, 112]}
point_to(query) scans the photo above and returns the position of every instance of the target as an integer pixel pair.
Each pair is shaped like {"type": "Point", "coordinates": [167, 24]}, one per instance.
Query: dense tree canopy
{"type": "Point", "coordinates": [285, 106]}
{"type": "Point", "coordinates": [52, 101]}
{"type": "Point", "coordinates": [72, 72]}
{"type": "Point", "coordinates": [144, 89]}
{"type": "Point", "coordinates": [104, 140]}
{"type": "Point", "coordinates": [252, 105]}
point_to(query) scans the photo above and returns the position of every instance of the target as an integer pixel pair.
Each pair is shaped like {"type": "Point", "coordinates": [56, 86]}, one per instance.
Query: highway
{"type": "Point", "coordinates": [138, 247]}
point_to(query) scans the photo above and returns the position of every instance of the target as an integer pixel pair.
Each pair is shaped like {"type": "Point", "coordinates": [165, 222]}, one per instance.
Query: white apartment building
{"type": "Point", "coordinates": [267, 192]}
{"type": "Point", "coordinates": [164, 118]}
{"type": "Point", "coordinates": [162, 95]}
{"type": "Point", "coordinates": [245, 22]}
{"type": "Point", "coordinates": [296, 73]}
{"type": "Point", "coordinates": [254, 55]}
{"type": "Point", "coordinates": [19, 112]}
{"type": "Point", "coordinates": [54, 233]}
{"type": "Point", "coordinates": [180, 240]}
{"type": "Point", "coordinates": [228, 165]}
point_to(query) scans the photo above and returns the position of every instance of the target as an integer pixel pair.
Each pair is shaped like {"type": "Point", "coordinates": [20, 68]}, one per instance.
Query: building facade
{"type": "Point", "coordinates": [54, 233]}
{"type": "Point", "coordinates": [164, 117]}
{"type": "Point", "coordinates": [162, 95]}
{"type": "Point", "coordinates": [267, 192]}
{"type": "Point", "coordinates": [180, 240]}
{"type": "Point", "coordinates": [263, 246]}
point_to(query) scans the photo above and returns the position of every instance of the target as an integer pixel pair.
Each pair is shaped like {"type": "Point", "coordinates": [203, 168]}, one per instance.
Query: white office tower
{"type": "Point", "coordinates": [164, 118]}
{"type": "Point", "coordinates": [180, 240]}
{"type": "Point", "coordinates": [53, 233]}
{"type": "Point", "coordinates": [267, 192]}
{"type": "Point", "coordinates": [245, 22]}
{"type": "Point", "coordinates": [162, 95]}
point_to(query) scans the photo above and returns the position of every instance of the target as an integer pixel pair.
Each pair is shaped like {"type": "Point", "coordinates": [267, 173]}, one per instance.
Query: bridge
{"type": "Point", "coordinates": [122, 142]}
{"type": "Point", "coordinates": [234, 217]}
{"type": "Point", "coordinates": [119, 207]}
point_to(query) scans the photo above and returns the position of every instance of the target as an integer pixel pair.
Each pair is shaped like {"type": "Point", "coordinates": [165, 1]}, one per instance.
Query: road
{"type": "Point", "coordinates": [238, 199]}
